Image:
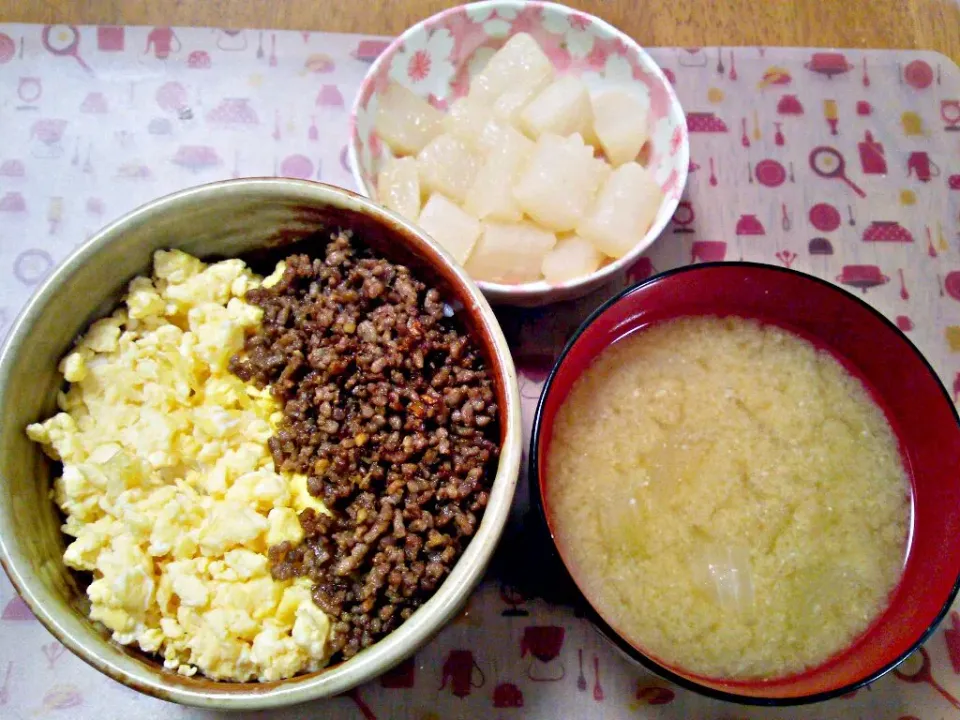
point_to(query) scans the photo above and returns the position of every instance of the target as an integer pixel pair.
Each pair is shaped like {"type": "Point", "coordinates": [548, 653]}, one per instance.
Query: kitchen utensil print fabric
{"type": "Point", "coordinates": [97, 120]}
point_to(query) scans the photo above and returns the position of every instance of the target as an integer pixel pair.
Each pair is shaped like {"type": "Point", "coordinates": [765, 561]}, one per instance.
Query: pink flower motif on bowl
{"type": "Point", "coordinates": [438, 103]}
{"type": "Point", "coordinates": [376, 147]}
{"type": "Point", "coordinates": [579, 21]}
{"type": "Point", "coordinates": [676, 140]}
{"type": "Point", "coordinates": [597, 58]}
{"type": "Point", "coordinates": [419, 66]}
{"type": "Point", "coordinates": [573, 31]}
{"type": "Point", "coordinates": [424, 62]}
{"type": "Point", "coordinates": [528, 20]}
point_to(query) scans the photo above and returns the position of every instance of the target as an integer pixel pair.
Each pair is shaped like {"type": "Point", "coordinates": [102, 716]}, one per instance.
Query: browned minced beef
{"type": "Point", "coordinates": [390, 412]}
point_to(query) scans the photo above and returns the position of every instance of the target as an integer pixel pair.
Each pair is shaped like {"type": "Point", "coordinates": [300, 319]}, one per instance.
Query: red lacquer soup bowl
{"type": "Point", "coordinates": [903, 382]}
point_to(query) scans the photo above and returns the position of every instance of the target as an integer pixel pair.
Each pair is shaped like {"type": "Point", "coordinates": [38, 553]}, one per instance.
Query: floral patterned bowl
{"type": "Point", "coordinates": [437, 57]}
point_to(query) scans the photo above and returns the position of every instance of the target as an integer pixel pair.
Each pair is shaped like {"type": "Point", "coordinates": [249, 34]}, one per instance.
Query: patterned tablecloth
{"type": "Point", "coordinates": [96, 120]}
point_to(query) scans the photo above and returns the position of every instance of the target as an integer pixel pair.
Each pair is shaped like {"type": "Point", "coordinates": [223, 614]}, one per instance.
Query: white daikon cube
{"type": "Point", "coordinates": [405, 121]}
{"type": "Point", "coordinates": [499, 138]}
{"type": "Point", "coordinates": [447, 165]}
{"type": "Point", "coordinates": [398, 187]}
{"type": "Point", "coordinates": [573, 257]}
{"type": "Point", "coordinates": [509, 105]}
{"type": "Point", "coordinates": [558, 183]}
{"type": "Point", "coordinates": [450, 226]}
{"type": "Point", "coordinates": [510, 253]}
{"type": "Point", "coordinates": [519, 64]}
{"type": "Point", "coordinates": [466, 119]}
{"type": "Point", "coordinates": [562, 108]}
{"type": "Point", "coordinates": [620, 124]}
{"type": "Point", "coordinates": [490, 197]}
{"type": "Point", "coordinates": [625, 208]}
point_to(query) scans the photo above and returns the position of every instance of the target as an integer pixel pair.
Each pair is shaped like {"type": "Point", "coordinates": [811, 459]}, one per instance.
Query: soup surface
{"type": "Point", "coordinates": [728, 497]}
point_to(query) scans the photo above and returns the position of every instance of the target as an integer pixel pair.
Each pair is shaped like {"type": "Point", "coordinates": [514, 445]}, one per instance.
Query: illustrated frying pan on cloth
{"type": "Point", "coordinates": [827, 162]}
{"type": "Point", "coordinates": [923, 675]}
{"type": "Point", "coordinates": [64, 40]}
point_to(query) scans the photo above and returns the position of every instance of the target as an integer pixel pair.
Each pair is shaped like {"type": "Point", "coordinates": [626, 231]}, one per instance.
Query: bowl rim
{"type": "Point", "coordinates": [529, 291]}
{"type": "Point", "coordinates": [600, 624]}
{"type": "Point", "coordinates": [413, 633]}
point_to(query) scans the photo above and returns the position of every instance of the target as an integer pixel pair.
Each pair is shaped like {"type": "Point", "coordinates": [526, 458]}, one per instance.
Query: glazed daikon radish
{"type": "Point", "coordinates": [510, 252]}
{"type": "Point", "coordinates": [490, 196]}
{"type": "Point", "coordinates": [398, 187]}
{"type": "Point", "coordinates": [558, 183]}
{"type": "Point", "coordinates": [406, 122]}
{"type": "Point", "coordinates": [510, 104]}
{"type": "Point", "coordinates": [503, 139]}
{"type": "Point", "coordinates": [466, 119]}
{"type": "Point", "coordinates": [450, 226]}
{"type": "Point", "coordinates": [573, 257]}
{"type": "Point", "coordinates": [562, 108]}
{"type": "Point", "coordinates": [625, 208]}
{"type": "Point", "coordinates": [620, 123]}
{"type": "Point", "coordinates": [519, 64]}
{"type": "Point", "coordinates": [448, 166]}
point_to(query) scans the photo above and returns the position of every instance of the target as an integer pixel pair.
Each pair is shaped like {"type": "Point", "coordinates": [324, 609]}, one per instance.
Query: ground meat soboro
{"type": "Point", "coordinates": [391, 413]}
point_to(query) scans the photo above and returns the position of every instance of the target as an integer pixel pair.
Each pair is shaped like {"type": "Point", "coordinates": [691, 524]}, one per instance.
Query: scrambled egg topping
{"type": "Point", "coordinates": [168, 485]}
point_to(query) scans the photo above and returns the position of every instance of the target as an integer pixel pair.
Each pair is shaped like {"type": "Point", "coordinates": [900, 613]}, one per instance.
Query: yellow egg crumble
{"type": "Point", "coordinates": [168, 486]}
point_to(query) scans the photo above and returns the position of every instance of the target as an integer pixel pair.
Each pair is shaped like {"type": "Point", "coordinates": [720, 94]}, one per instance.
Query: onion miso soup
{"type": "Point", "coordinates": [729, 498]}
